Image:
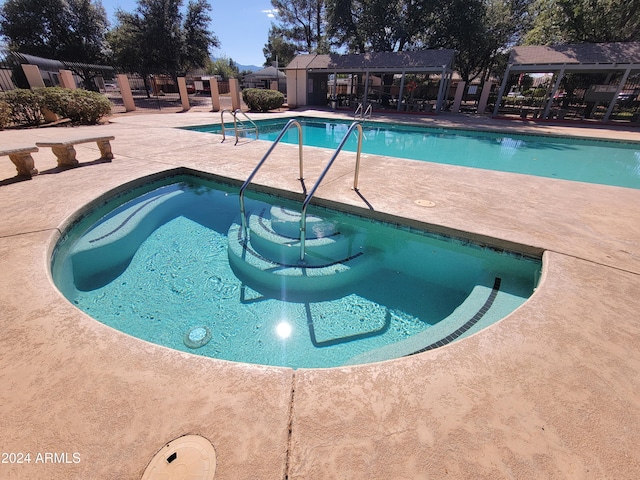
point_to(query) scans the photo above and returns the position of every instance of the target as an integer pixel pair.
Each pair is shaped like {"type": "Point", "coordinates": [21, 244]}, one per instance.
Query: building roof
{"type": "Point", "coordinates": [266, 73]}
{"type": "Point", "coordinates": [420, 60]}
{"type": "Point", "coordinates": [55, 65]}
{"type": "Point", "coordinates": [576, 54]}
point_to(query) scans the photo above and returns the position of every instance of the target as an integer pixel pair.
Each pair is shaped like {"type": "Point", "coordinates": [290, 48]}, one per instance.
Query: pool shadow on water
{"type": "Point", "coordinates": [346, 338]}
{"type": "Point", "coordinates": [336, 340]}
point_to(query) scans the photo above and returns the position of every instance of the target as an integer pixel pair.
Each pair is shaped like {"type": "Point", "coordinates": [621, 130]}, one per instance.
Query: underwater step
{"type": "Point", "coordinates": [272, 276]}
{"type": "Point", "coordinates": [286, 222]}
{"type": "Point", "coordinates": [269, 243]}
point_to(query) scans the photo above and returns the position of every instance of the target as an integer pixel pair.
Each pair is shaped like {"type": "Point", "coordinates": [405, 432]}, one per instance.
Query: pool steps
{"type": "Point", "coordinates": [275, 238]}
{"type": "Point", "coordinates": [270, 261]}
{"type": "Point", "coordinates": [286, 222]}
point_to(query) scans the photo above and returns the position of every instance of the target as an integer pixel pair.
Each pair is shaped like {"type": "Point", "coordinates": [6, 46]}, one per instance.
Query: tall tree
{"type": "Point", "coordinates": [70, 30]}
{"type": "Point", "coordinates": [123, 42]}
{"type": "Point", "coordinates": [302, 23]}
{"type": "Point", "coordinates": [224, 67]}
{"type": "Point", "coordinates": [277, 48]}
{"type": "Point", "coordinates": [343, 17]}
{"type": "Point", "coordinates": [157, 38]}
{"type": "Point", "coordinates": [197, 38]}
{"type": "Point", "coordinates": [459, 25]}
{"type": "Point", "coordinates": [479, 30]}
{"type": "Point", "coordinates": [378, 25]}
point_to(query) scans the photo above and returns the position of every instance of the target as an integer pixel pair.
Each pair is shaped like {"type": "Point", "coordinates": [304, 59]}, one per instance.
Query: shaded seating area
{"type": "Point", "coordinates": [598, 82]}
{"type": "Point", "coordinates": [402, 81]}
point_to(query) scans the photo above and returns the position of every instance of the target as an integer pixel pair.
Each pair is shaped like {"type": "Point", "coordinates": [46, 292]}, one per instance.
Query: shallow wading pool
{"type": "Point", "coordinates": [170, 263]}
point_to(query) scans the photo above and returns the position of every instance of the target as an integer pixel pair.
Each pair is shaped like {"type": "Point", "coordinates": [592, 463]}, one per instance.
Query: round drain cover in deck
{"type": "Point", "coordinates": [190, 457]}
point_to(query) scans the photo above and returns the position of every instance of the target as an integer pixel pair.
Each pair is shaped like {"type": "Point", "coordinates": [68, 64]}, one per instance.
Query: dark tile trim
{"type": "Point", "coordinates": [470, 323]}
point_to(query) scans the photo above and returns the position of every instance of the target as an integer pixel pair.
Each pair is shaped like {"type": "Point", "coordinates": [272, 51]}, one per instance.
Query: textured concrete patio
{"type": "Point", "coordinates": [550, 392]}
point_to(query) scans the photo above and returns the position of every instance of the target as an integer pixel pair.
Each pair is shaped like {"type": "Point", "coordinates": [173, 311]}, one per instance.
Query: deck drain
{"type": "Point", "coordinates": [425, 203]}
{"type": "Point", "coordinates": [197, 337]}
{"type": "Point", "coordinates": [190, 457]}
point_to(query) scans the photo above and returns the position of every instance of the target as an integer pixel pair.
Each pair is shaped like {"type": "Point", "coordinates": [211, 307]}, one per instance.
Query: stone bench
{"type": "Point", "coordinates": [22, 159]}
{"type": "Point", "coordinates": [66, 154]}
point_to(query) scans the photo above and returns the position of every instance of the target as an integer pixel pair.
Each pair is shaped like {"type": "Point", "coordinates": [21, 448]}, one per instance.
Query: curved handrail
{"type": "Point", "coordinates": [234, 113]}
{"type": "Point", "coordinates": [305, 204]}
{"type": "Point", "coordinates": [368, 111]}
{"type": "Point", "coordinates": [235, 117]}
{"type": "Point", "coordinates": [363, 113]}
{"type": "Point", "coordinates": [358, 109]}
{"type": "Point", "coordinates": [246, 183]}
{"type": "Point", "coordinates": [222, 123]}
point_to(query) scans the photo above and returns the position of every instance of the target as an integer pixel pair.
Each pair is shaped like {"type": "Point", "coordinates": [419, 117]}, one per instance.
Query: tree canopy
{"type": "Point", "coordinates": [278, 48]}
{"type": "Point", "coordinates": [584, 21]}
{"type": "Point", "coordinates": [158, 37]}
{"type": "Point", "coordinates": [481, 31]}
{"type": "Point", "coordinates": [166, 37]}
{"type": "Point", "coordinates": [70, 30]}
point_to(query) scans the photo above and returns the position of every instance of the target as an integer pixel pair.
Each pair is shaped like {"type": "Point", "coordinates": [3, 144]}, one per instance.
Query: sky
{"type": "Point", "coordinates": [242, 28]}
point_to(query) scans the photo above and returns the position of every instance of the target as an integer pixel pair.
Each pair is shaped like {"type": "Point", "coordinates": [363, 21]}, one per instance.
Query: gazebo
{"type": "Point", "coordinates": [617, 63]}
{"type": "Point", "coordinates": [313, 79]}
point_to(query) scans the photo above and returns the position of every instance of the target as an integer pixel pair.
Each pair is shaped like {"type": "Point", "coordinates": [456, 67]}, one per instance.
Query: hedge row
{"type": "Point", "coordinates": [259, 100]}
{"type": "Point", "coordinates": [23, 107]}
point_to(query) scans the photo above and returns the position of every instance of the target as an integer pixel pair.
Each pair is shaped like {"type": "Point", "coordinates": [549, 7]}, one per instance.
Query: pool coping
{"type": "Point", "coordinates": [550, 391]}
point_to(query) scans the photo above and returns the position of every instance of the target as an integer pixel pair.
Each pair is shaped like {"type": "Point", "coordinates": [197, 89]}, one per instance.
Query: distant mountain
{"type": "Point", "coordinates": [253, 68]}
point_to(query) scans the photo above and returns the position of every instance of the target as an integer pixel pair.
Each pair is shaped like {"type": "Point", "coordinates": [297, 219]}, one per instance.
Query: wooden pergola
{"type": "Point", "coordinates": [610, 58]}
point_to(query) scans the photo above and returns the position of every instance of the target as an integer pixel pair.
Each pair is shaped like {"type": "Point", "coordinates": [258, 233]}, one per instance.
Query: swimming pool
{"type": "Point", "coordinates": [166, 262]}
{"type": "Point", "coordinates": [583, 160]}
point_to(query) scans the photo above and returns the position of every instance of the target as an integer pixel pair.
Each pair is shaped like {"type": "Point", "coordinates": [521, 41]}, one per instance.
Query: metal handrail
{"type": "Point", "coordinates": [363, 113]}
{"type": "Point", "coordinates": [235, 116]}
{"type": "Point", "coordinates": [235, 123]}
{"type": "Point", "coordinates": [246, 183]}
{"type": "Point", "coordinates": [358, 109]}
{"type": "Point", "coordinates": [368, 111]}
{"type": "Point", "coordinates": [222, 123]}
{"type": "Point", "coordinates": [305, 204]}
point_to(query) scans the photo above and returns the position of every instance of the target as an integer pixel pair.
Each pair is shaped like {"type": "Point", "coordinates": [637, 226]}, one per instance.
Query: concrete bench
{"type": "Point", "coordinates": [66, 154]}
{"type": "Point", "coordinates": [22, 159]}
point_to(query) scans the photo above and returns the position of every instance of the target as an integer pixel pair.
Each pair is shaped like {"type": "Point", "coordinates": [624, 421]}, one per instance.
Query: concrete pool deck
{"type": "Point", "coordinates": [551, 391]}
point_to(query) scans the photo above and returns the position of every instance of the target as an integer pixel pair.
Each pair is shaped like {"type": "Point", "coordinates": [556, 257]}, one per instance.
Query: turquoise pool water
{"type": "Point", "coordinates": [165, 263]}
{"type": "Point", "coordinates": [592, 161]}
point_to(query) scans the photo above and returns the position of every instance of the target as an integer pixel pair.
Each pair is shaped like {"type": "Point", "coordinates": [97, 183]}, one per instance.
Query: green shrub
{"type": "Point", "coordinates": [80, 106]}
{"type": "Point", "coordinates": [25, 106]}
{"type": "Point", "coordinates": [5, 114]}
{"type": "Point", "coordinates": [88, 107]}
{"type": "Point", "coordinates": [259, 100]}
{"type": "Point", "coordinates": [55, 99]}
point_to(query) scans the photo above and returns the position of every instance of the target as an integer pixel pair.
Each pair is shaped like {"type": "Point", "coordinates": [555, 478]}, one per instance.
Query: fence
{"type": "Point", "coordinates": [151, 92]}
{"type": "Point", "coordinates": [7, 69]}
